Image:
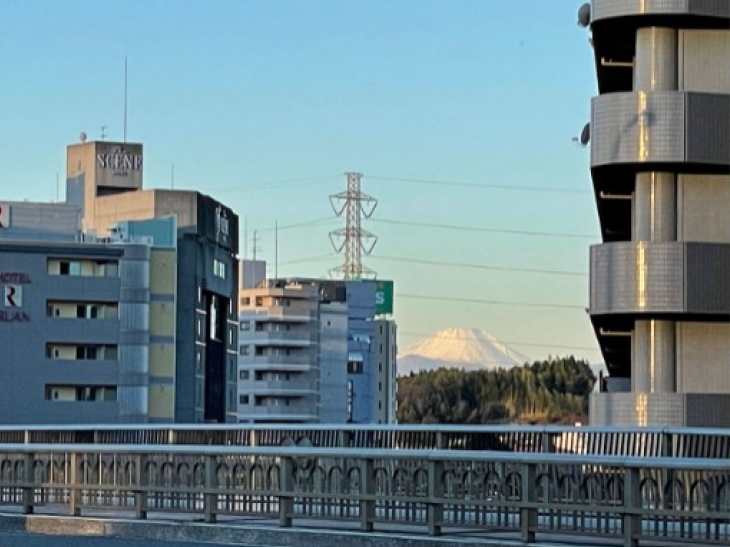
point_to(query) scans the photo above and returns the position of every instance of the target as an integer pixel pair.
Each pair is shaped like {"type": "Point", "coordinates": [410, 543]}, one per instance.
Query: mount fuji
{"type": "Point", "coordinates": [468, 349]}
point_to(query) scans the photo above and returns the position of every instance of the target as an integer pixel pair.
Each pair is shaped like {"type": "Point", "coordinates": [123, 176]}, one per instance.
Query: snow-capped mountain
{"type": "Point", "coordinates": [469, 349]}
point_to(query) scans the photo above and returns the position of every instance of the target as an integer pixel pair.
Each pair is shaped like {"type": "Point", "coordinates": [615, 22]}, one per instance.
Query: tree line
{"type": "Point", "coordinates": [552, 391]}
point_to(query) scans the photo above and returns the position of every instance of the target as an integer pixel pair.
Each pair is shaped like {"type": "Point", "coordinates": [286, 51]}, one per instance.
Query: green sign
{"type": "Point", "coordinates": [383, 297]}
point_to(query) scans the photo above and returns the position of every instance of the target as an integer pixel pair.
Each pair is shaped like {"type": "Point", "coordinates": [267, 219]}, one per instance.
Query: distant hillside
{"type": "Point", "coordinates": [468, 349]}
{"type": "Point", "coordinates": [554, 391]}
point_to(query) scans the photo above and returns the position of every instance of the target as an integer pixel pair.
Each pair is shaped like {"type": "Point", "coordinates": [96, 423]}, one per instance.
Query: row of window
{"type": "Point", "coordinates": [82, 310]}
{"type": "Point", "coordinates": [85, 268]}
{"type": "Point", "coordinates": [264, 376]}
{"type": "Point", "coordinates": [80, 393]}
{"type": "Point", "coordinates": [263, 401]}
{"type": "Point", "coordinates": [81, 352]}
{"type": "Point", "coordinates": [263, 326]}
{"type": "Point", "coordinates": [259, 301]}
{"type": "Point", "coordinates": [261, 350]}
{"type": "Point", "coordinates": [219, 268]}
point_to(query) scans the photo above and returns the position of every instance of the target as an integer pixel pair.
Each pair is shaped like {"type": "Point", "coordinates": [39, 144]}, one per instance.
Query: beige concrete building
{"type": "Point", "coordinates": [104, 179]}
{"type": "Point", "coordinates": [660, 163]}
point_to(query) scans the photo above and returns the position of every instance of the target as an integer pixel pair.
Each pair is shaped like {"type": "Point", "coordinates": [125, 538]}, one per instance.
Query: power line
{"type": "Point", "coordinates": [284, 183]}
{"type": "Point", "coordinates": [488, 302]}
{"type": "Point", "coordinates": [479, 229]}
{"type": "Point", "coordinates": [303, 224]}
{"type": "Point", "coordinates": [309, 259]}
{"type": "Point", "coordinates": [481, 185]}
{"type": "Point", "coordinates": [512, 342]}
{"type": "Point", "coordinates": [478, 266]}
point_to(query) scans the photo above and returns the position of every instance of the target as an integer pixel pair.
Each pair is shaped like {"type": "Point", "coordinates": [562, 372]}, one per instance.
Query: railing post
{"type": "Point", "coordinates": [435, 504]}
{"type": "Point", "coordinates": [632, 502]}
{"type": "Point", "coordinates": [140, 496]}
{"type": "Point", "coordinates": [28, 479]}
{"type": "Point", "coordinates": [367, 494]}
{"type": "Point", "coordinates": [210, 500]}
{"type": "Point", "coordinates": [73, 484]}
{"type": "Point", "coordinates": [528, 513]}
{"type": "Point", "coordinates": [286, 492]}
{"type": "Point", "coordinates": [439, 440]}
{"type": "Point", "coordinates": [548, 444]}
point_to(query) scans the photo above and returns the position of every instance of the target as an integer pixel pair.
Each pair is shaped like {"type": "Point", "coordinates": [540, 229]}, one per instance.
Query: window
{"type": "Point", "coordinates": [244, 350]}
{"type": "Point", "coordinates": [70, 393]}
{"type": "Point", "coordinates": [81, 352]}
{"type": "Point", "coordinates": [87, 268]}
{"type": "Point", "coordinates": [354, 367]}
{"type": "Point", "coordinates": [245, 325]}
{"type": "Point", "coordinates": [219, 268]}
{"type": "Point", "coordinates": [244, 375]}
{"type": "Point", "coordinates": [82, 310]}
{"type": "Point", "coordinates": [245, 301]}
{"type": "Point", "coordinates": [243, 399]}
{"type": "Point", "coordinates": [259, 301]}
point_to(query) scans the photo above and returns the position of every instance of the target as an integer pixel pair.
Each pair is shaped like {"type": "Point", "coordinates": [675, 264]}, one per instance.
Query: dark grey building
{"type": "Point", "coordinates": [75, 332]}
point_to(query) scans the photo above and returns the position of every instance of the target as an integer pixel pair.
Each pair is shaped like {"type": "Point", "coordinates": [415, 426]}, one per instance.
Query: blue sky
{"type": "Point", "coordinates": [265, 104]}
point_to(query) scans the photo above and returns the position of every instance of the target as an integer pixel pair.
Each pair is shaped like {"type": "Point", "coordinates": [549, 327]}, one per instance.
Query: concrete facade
{"type": "Point", "coordinates": [660, 163]}
{"type": "Point", "coordinates": [313, 350]}
{"type": "Point", "coordinates": [292, 343]}
{"type": "Point", "coordinates": [385, 372]}
{"type": "Point", "coordinates": [34, 221]}
{"type": "Point", "coordinates": [105, 181]}
{"type": "Point", "coordinates": [76, 330]}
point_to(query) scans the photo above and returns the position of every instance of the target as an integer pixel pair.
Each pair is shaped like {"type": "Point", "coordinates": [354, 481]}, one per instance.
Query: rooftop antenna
{"type": "Point", "coordinates": [103, 132]}
{"type": "Point", "coordinates": [125, 98]}
{"type": "Point", "coordinates": [276, 250]}
{"type": "Point", "coordinates": [245, 237]}
{"type": "Point", "coordinates": [255, 240]}
{"type": "Point", "coordinates": [353, 239]}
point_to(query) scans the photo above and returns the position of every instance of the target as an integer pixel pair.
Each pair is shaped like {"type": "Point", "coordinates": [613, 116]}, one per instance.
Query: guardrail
{"type": "Point", "coordinates": [661, 499]}
{"type": "Point", "coordinates": [620, 441]}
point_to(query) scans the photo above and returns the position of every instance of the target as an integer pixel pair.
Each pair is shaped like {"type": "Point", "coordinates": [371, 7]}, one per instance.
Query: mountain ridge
{"type": "Point", "coordinates": [468, 349]}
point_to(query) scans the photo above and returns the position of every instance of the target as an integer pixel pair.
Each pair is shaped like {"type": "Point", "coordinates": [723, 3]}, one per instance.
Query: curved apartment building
{"type": "Point", "coordinates": [660, 164]}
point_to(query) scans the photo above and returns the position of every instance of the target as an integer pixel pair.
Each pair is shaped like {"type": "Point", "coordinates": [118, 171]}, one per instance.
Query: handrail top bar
{"type": "Point", "coordinates": [389, 454]}
{"type": "Point", "coordinates": [551, 429]}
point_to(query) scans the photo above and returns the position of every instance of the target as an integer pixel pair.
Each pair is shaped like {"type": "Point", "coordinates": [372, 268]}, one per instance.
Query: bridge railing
{"type": "Point", "coordinates": [661, 499]}
{"type": "Point", "coordinates": [620, 441]}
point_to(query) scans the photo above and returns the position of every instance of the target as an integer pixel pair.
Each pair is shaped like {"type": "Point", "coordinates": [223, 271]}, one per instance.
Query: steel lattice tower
{"type": "Point", "coordinates": [353, 239]}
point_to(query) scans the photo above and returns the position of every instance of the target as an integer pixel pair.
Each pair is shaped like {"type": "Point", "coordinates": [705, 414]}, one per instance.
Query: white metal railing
{"type": "Point", "coordinates": [617, 441]}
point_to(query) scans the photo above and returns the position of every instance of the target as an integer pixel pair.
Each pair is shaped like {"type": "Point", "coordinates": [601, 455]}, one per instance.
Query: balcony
{"type": "Point", "coordinates": [668, 278]}
{"type": "Point", "coordinates": [280, 314]}
{"type": "Point", "coordinates": [284, 363]}
{"type": "Point", "coordinates": [284, 388]}
{"type": "Point", "coordinates": [275, 413]}
{"type": "Point", "coordinates": [286, 338]}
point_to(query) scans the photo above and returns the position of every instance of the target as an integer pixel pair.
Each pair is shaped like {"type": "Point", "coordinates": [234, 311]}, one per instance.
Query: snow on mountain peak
{"type": "Point", "coordinates": [459, 348]}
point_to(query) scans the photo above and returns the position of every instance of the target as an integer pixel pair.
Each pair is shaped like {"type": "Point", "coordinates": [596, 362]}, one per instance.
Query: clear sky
{"type": "Point", "coordinates": [264, 104]}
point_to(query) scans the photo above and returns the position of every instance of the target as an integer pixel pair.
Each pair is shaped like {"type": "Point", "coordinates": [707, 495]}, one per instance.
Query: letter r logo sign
{"type": "Point", "coordinates": [13, 296]}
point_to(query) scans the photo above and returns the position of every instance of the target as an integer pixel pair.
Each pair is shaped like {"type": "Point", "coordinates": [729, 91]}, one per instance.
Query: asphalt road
{"type": "Point", "coordinates": [25, 539]}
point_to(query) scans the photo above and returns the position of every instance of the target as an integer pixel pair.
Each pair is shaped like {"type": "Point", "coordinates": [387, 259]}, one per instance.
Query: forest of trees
{"type": "Point", "coordinates": [552, 391]}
